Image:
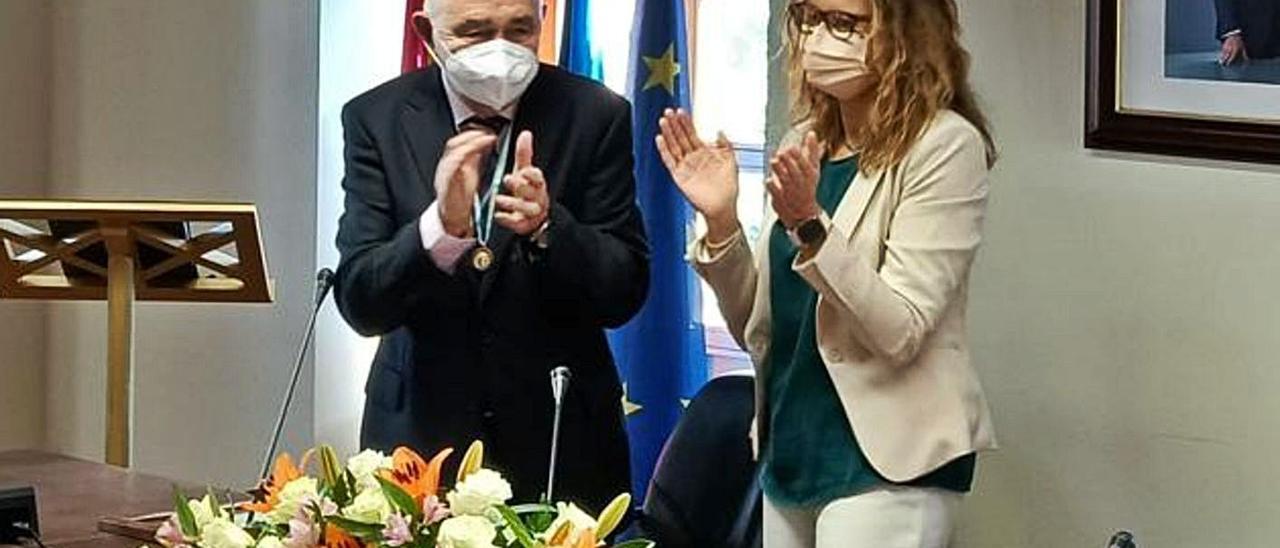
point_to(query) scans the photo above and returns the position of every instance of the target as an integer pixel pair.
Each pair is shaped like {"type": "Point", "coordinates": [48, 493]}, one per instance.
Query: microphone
{"type": "Point", "coordinates": [324, 282]}
{"type": "Point", "coordinates": [560, 383]}
{"type": "Point", "coordinates": [560, 377]}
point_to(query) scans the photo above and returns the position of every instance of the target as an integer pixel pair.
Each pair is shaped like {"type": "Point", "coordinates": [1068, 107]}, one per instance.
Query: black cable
{"type": "Point", "coordinates": [25, 530]}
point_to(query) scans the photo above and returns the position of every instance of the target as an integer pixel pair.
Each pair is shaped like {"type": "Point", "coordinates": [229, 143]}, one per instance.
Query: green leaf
{"type": "Point", "coordinates": [350, 482]}
{"type": "Point", "coordinates": [263, 530]}
{"type": "Point", "coordinates": [541, 522]}
{"type": "Point", "coordinates": [361, 530]}
{"type": "Point", "coordinates": [399, 498]}
{"type": "Point", "coordinates": [537, 517]}
{"type": "Point", "coordinates": [186, 519]}
{"type": "Point", "coordinates": [636, 543]}
{"type": "Point", "coordinates": [425, 539]}
{"type": "Point", "coordinates": [516, 526]}
{"type": "Point", "coordinates": [342, 496]}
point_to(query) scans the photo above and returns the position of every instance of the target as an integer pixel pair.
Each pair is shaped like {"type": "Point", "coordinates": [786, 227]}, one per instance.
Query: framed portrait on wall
{"type": "Point", "coordinates": [1197, 78]}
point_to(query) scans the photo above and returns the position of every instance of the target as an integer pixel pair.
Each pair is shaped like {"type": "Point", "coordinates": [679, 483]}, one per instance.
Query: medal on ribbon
{"type": "Point", "coordinates": [482, 257]}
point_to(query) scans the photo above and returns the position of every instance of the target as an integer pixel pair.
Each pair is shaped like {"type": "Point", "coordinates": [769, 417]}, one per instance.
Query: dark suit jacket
{"type": "Point", "coordinates": [1258, 20]}
{"type": "Point", "coordinates": [468, 355]}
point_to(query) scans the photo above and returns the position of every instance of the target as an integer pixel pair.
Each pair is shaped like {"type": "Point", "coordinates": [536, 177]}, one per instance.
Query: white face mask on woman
{"type": "Point", "coordinates": [834, 66]}
{"type": "Point", "coordinates": [493, 73]}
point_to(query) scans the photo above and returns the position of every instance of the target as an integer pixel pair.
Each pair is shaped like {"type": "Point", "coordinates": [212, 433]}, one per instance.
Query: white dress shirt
{"type": "Point", "coordinates": [444, 248]}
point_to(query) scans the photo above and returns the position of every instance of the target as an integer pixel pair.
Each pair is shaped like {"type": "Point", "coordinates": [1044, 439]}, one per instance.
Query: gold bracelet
{"type": "Point", "coordinates": [721, 245]}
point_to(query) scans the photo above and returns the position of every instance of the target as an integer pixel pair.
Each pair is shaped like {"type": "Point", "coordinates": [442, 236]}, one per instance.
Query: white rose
{"type": "Point", "coordinates": [466, 532]}
{"type": "Point", "coordinates": [270, 542]}
{"type": "Point", "coordinates": [221, 533]}
{"type": "Point", "coordinates": [292, 497]}
{"type": "Point", "coordinates": [365, 467]}
{"type": "Point", "coordinates": [478, 493]}
{"type": "Point", "coordinates": [370, 506]}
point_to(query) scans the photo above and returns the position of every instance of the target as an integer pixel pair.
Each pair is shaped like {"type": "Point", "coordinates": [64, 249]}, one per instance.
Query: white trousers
{"type": "Point", "coordinates": [886, 517]}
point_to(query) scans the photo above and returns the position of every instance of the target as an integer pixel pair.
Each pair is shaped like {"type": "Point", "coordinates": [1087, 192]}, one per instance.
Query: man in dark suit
{"type": "Point", "coordinates": [478, 294]}
{"type": "Point", "coordinates": [1248, 29]}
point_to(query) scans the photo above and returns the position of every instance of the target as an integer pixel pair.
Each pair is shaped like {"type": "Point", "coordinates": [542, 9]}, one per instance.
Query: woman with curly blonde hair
{"type": "Point", "coordinates": [869, 412]}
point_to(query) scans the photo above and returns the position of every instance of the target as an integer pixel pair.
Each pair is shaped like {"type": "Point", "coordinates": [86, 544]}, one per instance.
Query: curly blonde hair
{"type": "Point", "coordinates": [920, 68]}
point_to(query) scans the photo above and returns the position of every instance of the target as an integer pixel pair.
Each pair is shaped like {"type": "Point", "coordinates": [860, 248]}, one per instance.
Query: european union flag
{"type": "Point", "coordinates": [661, 353]}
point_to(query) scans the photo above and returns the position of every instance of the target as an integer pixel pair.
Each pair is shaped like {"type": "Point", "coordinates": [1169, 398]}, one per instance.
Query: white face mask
{"type": "Point", "coordinates": [494, 73]}
{"type": "Point", "coordinates": [834, 66]}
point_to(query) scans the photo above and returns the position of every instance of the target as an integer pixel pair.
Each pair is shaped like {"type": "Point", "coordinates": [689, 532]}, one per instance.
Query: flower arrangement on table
{"type": "Point", "coordinates": [387, 501]}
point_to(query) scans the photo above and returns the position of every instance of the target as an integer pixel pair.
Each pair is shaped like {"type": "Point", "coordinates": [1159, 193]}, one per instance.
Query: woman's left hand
{"type": "Point", "coordinates": [793, 183]}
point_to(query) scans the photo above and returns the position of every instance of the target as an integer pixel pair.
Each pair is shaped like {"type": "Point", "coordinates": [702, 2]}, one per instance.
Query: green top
{"type": "Point", "coordinates": [811, 456]}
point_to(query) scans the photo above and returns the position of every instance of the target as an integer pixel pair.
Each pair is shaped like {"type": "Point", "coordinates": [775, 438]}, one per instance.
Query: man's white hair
{"type": "Point", "coordinates": [432, 7]}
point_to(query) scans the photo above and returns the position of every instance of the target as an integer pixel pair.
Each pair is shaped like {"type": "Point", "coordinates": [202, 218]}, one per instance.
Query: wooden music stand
{"type": "Point", "coordinates": [93, 251]}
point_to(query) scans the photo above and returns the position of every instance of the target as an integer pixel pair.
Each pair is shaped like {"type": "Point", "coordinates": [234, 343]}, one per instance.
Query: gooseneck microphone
{"type": "Point", "coordinates": [324, 282]}
{"type": "Point", "coordinates": [560, 377]}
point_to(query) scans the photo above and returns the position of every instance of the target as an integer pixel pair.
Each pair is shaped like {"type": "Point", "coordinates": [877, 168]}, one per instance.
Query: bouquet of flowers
{"type": "Point", "coordinates": [394, 501]}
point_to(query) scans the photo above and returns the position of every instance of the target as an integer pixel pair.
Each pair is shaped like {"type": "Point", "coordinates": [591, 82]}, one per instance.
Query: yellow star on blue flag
{"type": "Point", "coordinates": [662, 70]}
{"type": "Point", "coordinates": [629, 407]}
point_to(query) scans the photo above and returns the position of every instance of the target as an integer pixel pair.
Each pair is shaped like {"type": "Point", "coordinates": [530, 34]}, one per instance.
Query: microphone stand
{"type": "Point", "coordinates": [560, 377]}
{"type": "Point", "coordinates": [324, 282]}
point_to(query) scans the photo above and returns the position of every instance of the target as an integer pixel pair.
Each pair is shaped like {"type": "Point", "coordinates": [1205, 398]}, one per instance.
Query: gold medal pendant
{"type": "Point", "coordinates": [482, 258]}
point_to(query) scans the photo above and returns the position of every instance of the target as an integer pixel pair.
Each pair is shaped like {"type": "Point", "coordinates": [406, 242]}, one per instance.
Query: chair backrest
{"type": "Point", "coordinates": [704, 491]}
{"type": "Point", "coordinates": [1122, 539]}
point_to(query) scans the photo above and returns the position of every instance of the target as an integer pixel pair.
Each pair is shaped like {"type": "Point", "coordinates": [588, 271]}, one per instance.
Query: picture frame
{"type": "Point", "coordinates": [1111, 125]}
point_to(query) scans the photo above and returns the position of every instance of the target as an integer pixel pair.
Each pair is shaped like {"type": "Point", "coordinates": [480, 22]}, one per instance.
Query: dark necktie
{"type": "Point", "coordinates": [489, 124]}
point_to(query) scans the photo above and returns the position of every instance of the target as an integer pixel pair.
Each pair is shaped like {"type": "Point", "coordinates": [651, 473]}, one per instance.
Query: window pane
{"type": "Point", "coordinates": [730, 90]}
{"type": "Point", "coordinates": [731, 80]}
{"type": "Point", "coordinates": [611, 39]}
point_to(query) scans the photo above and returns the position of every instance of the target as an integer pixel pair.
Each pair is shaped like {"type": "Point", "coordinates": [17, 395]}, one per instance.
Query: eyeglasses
{"type": "Point", "coordinates": [843, 25]}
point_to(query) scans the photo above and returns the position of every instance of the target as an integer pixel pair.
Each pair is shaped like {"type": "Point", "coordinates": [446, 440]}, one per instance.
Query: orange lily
{"type": "Point", "coordinates": [587, 540]}
{"type": "Point", "coordinates": [418, 478]}
{"type": "Point", "coordinates": [267, 495]}
{"type": "Point", "coordinates": [337, 538]}
{"type": "Point", "coordinates": [566, 536]}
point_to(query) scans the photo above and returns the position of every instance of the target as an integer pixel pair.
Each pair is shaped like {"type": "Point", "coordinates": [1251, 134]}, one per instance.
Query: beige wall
{"type": "Point", "coordinates": [24, 168]}
{"type": "Point", "coordinates": [188, 99]}
{"type": "Point", "coordinates": [1124, 316]}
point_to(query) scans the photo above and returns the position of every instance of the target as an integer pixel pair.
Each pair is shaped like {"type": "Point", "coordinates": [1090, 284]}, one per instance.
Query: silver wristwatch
{"type": "Point", "coordinates": [539, 237]}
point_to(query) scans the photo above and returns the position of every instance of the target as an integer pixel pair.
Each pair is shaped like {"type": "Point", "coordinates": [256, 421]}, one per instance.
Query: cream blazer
{"type": "Point", "coordinates": [892, 280]}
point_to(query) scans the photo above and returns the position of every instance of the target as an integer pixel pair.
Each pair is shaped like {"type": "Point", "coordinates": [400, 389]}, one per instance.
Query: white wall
{"type": "Point", "coordinates": [360, 46]}
{"type": "Point", "coordinates": [189, 99]}
{"type": "Point", "coordinates": [1124, 318]}
{"type": "Point", "coordinates": [24, 167]}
